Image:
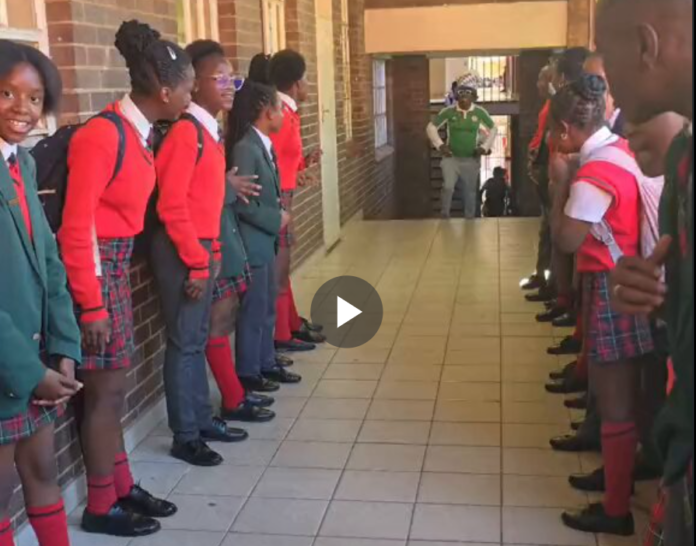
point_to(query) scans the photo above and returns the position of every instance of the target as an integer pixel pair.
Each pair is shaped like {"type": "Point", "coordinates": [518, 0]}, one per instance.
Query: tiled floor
{"type": "Point", "coordinates": [434, 433]}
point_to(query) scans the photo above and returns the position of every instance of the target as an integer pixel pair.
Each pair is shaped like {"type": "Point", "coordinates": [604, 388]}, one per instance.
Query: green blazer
{"type": "Point", "coordinates": [234, 255]}
{"type": "Point", "coordinates": [35, 307]}
{"type": "Point", "coordinates": [259, 221]}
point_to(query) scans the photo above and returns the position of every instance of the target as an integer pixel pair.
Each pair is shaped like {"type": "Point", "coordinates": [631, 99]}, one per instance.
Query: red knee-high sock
{"type": "Point", "coordinates": [221, 362]}
{"type": "Point", "coordinates": [295, 320]}
{"type": "Point", "coordinates": [564, 301]}
{"type": "Point", "coordinates": [283, 330]}
{"type": "Point", "coordinates": [6, 533]}
{"type": "Point", "coordinates": [619, 445]}
{"type": "Point", "coordinates": [123, 477]}
{"type": "Point", "coordinates": [101, 495]}
{"type": "Point", "coordinates": [50, 523]}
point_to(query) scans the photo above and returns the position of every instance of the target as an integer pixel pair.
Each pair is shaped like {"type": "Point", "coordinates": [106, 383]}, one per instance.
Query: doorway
{"type": "Point", "coordinates": [327, 123]}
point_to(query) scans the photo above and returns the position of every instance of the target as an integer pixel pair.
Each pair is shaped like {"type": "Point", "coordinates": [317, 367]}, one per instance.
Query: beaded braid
{"type": "Point", "coordinates": [582, 103]}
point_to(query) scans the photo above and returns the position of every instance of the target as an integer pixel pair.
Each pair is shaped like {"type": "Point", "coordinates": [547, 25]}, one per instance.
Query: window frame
{"type": "Point", "coordinates": [271, 9]}
{"type": "Point", "coordinates": [346, 70]}
{"type": "Point", "coordinates": [207, 22]}
{"type": "Point", "coordinates": [380, 104]}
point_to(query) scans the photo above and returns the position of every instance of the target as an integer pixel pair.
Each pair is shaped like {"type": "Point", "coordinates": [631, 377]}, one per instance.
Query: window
{"type": "Point", "coordinates": [379, 85]}
{"type": "Point", "coordinates": [347, 84]}
{"type": "Point", "coordinates": [197, 20]}
{"type": "Point", "coordinates": [25, 21]}
{"type": "Point", "coordinates": [273, 26]}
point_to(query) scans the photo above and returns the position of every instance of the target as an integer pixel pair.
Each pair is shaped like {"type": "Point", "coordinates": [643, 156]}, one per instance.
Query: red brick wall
{"type": "Point", "coordinates": [241, 31]}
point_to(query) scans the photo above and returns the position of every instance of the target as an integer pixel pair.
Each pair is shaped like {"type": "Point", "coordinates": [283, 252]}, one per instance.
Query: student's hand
{"type": "Point", "coordinates": [480, 151]}
{"type": "Point", "coordinates": [66, 366]}
{"type": "Point", "coordinates": [244, 186]}
{"type": "Point", "coordinates": [446, 151]}
{"type": "Point", "coordinates": [96, 336]}
{"type": "Point", "coordinates": [285, 219]}
{"type": "Point", "coordinates": [195, 288]}
{"type": "Point", "coordinates": [636, 283]}
{"type": "Point", "coordinates": [55, 389]}
{"type": "Point", "coordinates": [313, 157]}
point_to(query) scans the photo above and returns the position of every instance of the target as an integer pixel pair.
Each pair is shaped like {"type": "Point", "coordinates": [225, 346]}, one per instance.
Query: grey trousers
{"type": "Point", "coordinates": [256, 323]}
{"type": "Point", "coordinates": [187, 321]}
{"type": "Point", "coordinates": [468, 170]}
{"type": "Point", "coordinates": [541, 177]}
{"type": "Point", "coordinates": [679, 514]}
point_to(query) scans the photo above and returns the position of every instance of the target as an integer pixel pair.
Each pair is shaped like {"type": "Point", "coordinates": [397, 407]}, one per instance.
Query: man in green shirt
{"type": "Point", "coordinates": [648, 51]}
{"type": "Point", "coordinates": [470, 135]}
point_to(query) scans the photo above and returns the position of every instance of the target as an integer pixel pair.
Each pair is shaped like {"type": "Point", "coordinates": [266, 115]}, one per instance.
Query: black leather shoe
{"type": "Point", "coordinates": [577, 425]}
{"type": "Point", "coordinates": [535, 282]}
{"type": "Point", "coordinates": [595, 520]}
{"type": "Point", "coordinates": [576, 403]}
{"type": "Point", "coordinates": [294, 346]}
{"type": "Point", "coordinates": [220, 432]}
{"type": "Point", "coordinates": [119, 522]}
{"type": "Point", "coordinates": [574, 443]}
{"type": "Point", "coordinates": [282, 376]}
{"type": "Point", "coordinates": [542, 296]}
{"type": "Point", "coordinates": [551, 315]}
{"type": "Point", "coordinates": [568, 346]}
{"type": "Point", "coordinates": [259, 400]}
{"type": "Point", "coordinates": [144, 503]}
{"type": "Point", "coordinates": [309, 336]}
{"type": "Point", "coordinates": [196, 453]}
{"type": "Point", "coordinates": [311, 326]}
{"type": "Point", "coordinates": [568, 320]}
{"type": "Point", "coordinates": [566, 371]}
{"type": "Point", "coordinates": [284, 361]}
{"type": "Point", "coordinates": [548, 305]}
{"type": "Point", "coordinates": [568, 385]}
{"type": "Point", "coordinates": [248, 413]}
{"type": "Point", "coordinates": [590, 483]}
{"type": "Point", "coordinates": [258, 384]}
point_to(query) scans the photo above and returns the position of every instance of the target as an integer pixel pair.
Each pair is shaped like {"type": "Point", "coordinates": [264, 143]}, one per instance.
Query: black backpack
{"type": "Point", "coordinates": [152, 222]}
{"type": "Point", "coordinates": [51, 157]}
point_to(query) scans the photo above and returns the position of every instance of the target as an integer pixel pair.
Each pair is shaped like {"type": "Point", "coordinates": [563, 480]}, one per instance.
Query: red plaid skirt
{"type": "Point", "coordinates": [287, 236]}
{"type": "Point", "coordinates": [26, 424]}
{"type": "Point", "coordinates": [227, 287]}
{"type": "Point", "coordinates": [611, 336]}
{"type": "Point", "coordinates": [116, 292]}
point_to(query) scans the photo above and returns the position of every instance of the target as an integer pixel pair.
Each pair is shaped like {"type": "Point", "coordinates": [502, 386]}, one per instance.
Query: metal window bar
{"type": "Point", "coordinates": [497, 77]}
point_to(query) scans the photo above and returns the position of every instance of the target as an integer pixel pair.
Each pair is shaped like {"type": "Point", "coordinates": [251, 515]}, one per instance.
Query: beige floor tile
{"type": "Point", "coordinates": [360, 372]}
{"type": "Point", "coordinates": [528, 392]}
{"type": "Point", "coordinates": [540, 492]}
{"type": "Point", "coordinates": [529, 351]}
{"type": "Point", "coordinates": [298, 483]}
{"type": "Point", "coordinates": [394, 432]}
{"type": "Point", "coordinates": [479, 346]}
{"type": "Point", "coordinates": [236, 539]}
{"type": "Point", "coordinates": [367, 520]}
{"type": "Point", "coordinates": [275, 430]}
{"type": "Point", "coordinates": [464, 357]}
{"type": "Point", "coordinates": [327, 541]}
{"type": "Point", "coordinates": [378, 486]}
{"type": "Point", "coordinates": [535, 413]}
{"type": "Point", "coordinates": [465, 434]}
{"type": "Point", "coordinates": [345, 388]}
{"type": "Point", "coordinates": [406, 390]}
{"type": "Point", "coordinates": [464, 330]}
{"type": "Point", "coordinates": [203, 513]}
{"type": "Point", "coordinates": [487, 378]}
{"type": "Point", "coordinates": [529, 330]}
{"type": "Point", "coordinates": [470, 460]}
{"type": "Point", "coordinates": [325, 430]}
{"type": "Point", "coordinates": [531, 436]}
{"type": "Point", "coordinates": [290, 517]}
{"type": "Point", "coordinates": [426, 374]}
{"type": "Point", "coordinates": [249, 453]}
{"type": "Point", "coordinates": [336, 408]}
{"type": "Point", "coordinates": [221, 481]}
{"type": "Point", "coordinates": [542, 527]}
{"type": "Point", "coordinates": [384, 457]}
{"type": "Point", "coordinates": [468, 412]}
{"type": "Point", "coordinates": [401, 410]}
{"type": "Point", "coordinates": [406, 342]}
{"type": "Point", "coordinates": [539, 462]}
{"type": "Point", "coordinates": [421, 357]}
{"type": "Point", "coordinates": [361, 355]}
{"type": "Point", "coordinates": [174, 538]}
{"type": "Point", "coordinates": [312, 455]}
{"type": "Point", "coordinates": [159, 479]}
{"type": "Point", "coordinates": [527, 374]}
{"type": "Point", "coordinates": [448, 522]}
{"type": "Point", "coordinates": [442, 488]}
{"type": "Point", "coordinates": [320, 356]}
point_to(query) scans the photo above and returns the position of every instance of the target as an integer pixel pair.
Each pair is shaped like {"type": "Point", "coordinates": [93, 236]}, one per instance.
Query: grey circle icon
{"type": "Point", "coordinates": [349, 309]}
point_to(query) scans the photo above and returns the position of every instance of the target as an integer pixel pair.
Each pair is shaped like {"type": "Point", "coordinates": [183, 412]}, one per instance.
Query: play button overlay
{"type": "Point", "coordinates": [350, 310]}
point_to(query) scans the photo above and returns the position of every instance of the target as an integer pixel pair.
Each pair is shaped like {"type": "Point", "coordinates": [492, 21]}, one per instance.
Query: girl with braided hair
{"type": "Point", "coordinates": [104, 210]}
{"type": "Point", "coordinates": [597, 216]}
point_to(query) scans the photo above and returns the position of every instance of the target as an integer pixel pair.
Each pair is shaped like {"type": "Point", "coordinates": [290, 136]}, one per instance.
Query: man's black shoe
{"type": "Point", "coordinates": [542, 296]}
{"type": "Point", "coordinates": [144, 503]}
{"type": "Point", "coordinates": [119, 522]}
{"type": "Point", "coordinates": [294, 346]}
{"type": "Point", "coordinates": [551, 315]}
{"type": "Point", "coordinates": [574, 443]}
{"type": "Point", "coordinates": [568, 346]}
{"type": "Point", "coordinates": [283, 360]}
{"type": "Point", "coordinates": [258, 384]}
{"type": "Point", "coordinates": [566, 371]}
{"type": "Point", "coordinates": [568, 385]}
{"type": "Point", "coordinates": [577, 425]}
{"type": "Point", "coordinates": [196, 453]}
{"type": "Point", "coordinates": [311, 326]}
{"type": "Point", "coordinates": [567, 320]}
{"type": "Point", "coordinates": [576, 403]}
{"type": "Point", "coordinates": [248, 413]}
{"type": "Point", "coordinates": [309, 336]}
{"type": "Point", "coordinates": [595, 520]}
{"type": "Point", "coordinates": [535, 282]}
{"type": "Point", "coordinates": [590, 483]}
{"type": "Point", "coordinates": [220, 432]}
{"type": "Point", "coordinates": [282, 376]}
{"type": "Point", "coordinates": [259, 400]}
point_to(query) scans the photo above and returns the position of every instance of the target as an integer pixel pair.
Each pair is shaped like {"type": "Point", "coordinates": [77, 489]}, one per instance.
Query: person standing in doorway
{"type": "Point", "coordinates": [461, 154]}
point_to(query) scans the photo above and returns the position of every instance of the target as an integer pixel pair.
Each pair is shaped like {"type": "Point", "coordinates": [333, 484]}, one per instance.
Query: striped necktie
{"type": "Point", "coordinates": [13, 166]}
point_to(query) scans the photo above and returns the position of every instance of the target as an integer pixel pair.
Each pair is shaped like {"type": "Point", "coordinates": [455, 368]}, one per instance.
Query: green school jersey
{"type": "Point", "coordinates": [675, 427]}
{"type": "Point", "coordinates": [463, 128]}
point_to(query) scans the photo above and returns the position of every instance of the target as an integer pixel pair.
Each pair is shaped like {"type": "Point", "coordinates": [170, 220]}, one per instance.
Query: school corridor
{"type": "Point", "coordinates": [434, 433]}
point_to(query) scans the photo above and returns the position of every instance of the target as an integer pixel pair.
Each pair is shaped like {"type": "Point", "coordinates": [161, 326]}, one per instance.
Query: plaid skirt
{"type": "Point", "coordinates": [287, 236]}
{"type": "Point", "coordinates": [611, 336]}
{"type": "Point", "coordinates": [116, 292]}
{"type": "Point", "coordinates": [230, 286]}
{"type": "Point", "coordinates": [26, 424]}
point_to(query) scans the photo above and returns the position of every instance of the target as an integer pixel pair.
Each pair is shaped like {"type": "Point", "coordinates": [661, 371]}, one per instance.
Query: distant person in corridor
{"type": "Point", "coordinates": [462, 152]}
{"type": "Point", "coordinates": [495, 194]}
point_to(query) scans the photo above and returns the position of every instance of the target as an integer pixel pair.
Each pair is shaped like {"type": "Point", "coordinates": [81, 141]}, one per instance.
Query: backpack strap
{"type": "Point", "coordinates": [199, 131]}
{"type": "Point", "coordinates": [114, 118]}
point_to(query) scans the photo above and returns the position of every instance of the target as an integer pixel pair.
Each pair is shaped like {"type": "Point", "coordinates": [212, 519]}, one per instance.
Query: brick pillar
{"type": "Point", "coordinates": [411, 77]}
{"type": "Point", "coordinates": [241, 30]}
{"type": "Point", "coordinates": [580, 22]}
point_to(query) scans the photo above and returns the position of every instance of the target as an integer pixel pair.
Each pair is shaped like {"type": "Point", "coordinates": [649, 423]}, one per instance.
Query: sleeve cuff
{"type": "Point", "coordinates": [196, 274]}
{"type": "Point", "coordinates": [94, 315]}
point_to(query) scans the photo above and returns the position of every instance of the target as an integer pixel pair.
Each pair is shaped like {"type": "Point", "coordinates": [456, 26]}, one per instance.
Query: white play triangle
{"type": "Point", "coordinates": [345, 312]}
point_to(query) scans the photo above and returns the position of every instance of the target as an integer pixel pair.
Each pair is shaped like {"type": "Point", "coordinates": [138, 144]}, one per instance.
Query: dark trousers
{"type": "Point", "coordinates": [679, 514]}
{"type": "Point", "coordinates": [541, 177]}
{"type": "Point", "coordinates": [187, 321]}
{"type": "Point", "coordinates": [256, 323]}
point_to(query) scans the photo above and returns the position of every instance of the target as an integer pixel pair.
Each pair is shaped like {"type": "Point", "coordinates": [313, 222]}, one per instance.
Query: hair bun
{"type": "Point", "coordinates": [134, 38]}
{"type": "Point", "coordinates": [590, 87]}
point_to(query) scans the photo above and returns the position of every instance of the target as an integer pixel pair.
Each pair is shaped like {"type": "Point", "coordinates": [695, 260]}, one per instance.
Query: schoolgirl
{"type": "Point", "coordinates": [39, 337]}
{"type": "Point", "coordinates": [101, 217]}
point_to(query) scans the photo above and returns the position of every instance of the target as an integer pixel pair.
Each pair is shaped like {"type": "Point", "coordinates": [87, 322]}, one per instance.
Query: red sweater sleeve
{"type": "Point", "coordinates": [91, 162]}
{"type": "Point", "coordinates": [176, 166]}
{"type": "Point", "coordinates": [542, 124]}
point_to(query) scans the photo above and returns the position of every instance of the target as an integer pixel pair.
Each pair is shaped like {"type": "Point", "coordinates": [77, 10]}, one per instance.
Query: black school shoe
{"type": "Point", "coordinates": [568, 346]}
{"type": "Point", "coordinates": [566, 371]}
{"type": "Point", "coordinates": [309, 336]}
{"type": "Point", "coordinates": [247, 413]}
{"type": "Point", "coordinates": [259, 400]}
{"type": "Point", "coordinates": [594, 482]}
{"type": "Point", "coordinates": [550, 315]}
{"type": "Point", "coordinates": [574, 443]}
{"type": "Point", "coordinates": [542, 296]}
{"type": "Point", "coordinates": [594, 519]}
{"type": "Point", "coordinates": [568, 385]}
{"type": "Point", "coordinates": [196, 453]}
{"type": "Point", "coordinates": [534, 282]}
{"type": "Point", "coordinates": [282, 376]}
{"type": "Point", "coordinates": [220, 432]}
{"type": "Point", "coordinates": [283, 360]}
{"type": "Point", "coordinates": [567, 320]}
{"type": "Point", "coordinates": [294, 346]}
{"type": "Point", "coordinates": [140, 501]}
{"type": "Point", "coordinates": [120, 522]}
{"type": "Point", "coordinates": [258, 384]}
{"type": "Point", "coordinates": [311, 326]}
{"type": "Point", "coordinates": [577, 403]}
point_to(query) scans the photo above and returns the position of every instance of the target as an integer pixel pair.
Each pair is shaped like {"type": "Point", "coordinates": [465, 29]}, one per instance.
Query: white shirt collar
{"type": "Point", "coordinates": [603, 137]}
{"type": "Point", "coordinates": [266, 142]}
{"type": "Point", "coordinates": [289, 101]}
{"type": "Point", "coordinates": [206, 120]}
{"type": "Point", "coordinates": [133, 114]}
{"type": "Point", "coordinates": [460, 109]}
{"type": "Point", "coordinates": [7, 149]}
{"type": "Point", "coordinates": [614, 117]}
